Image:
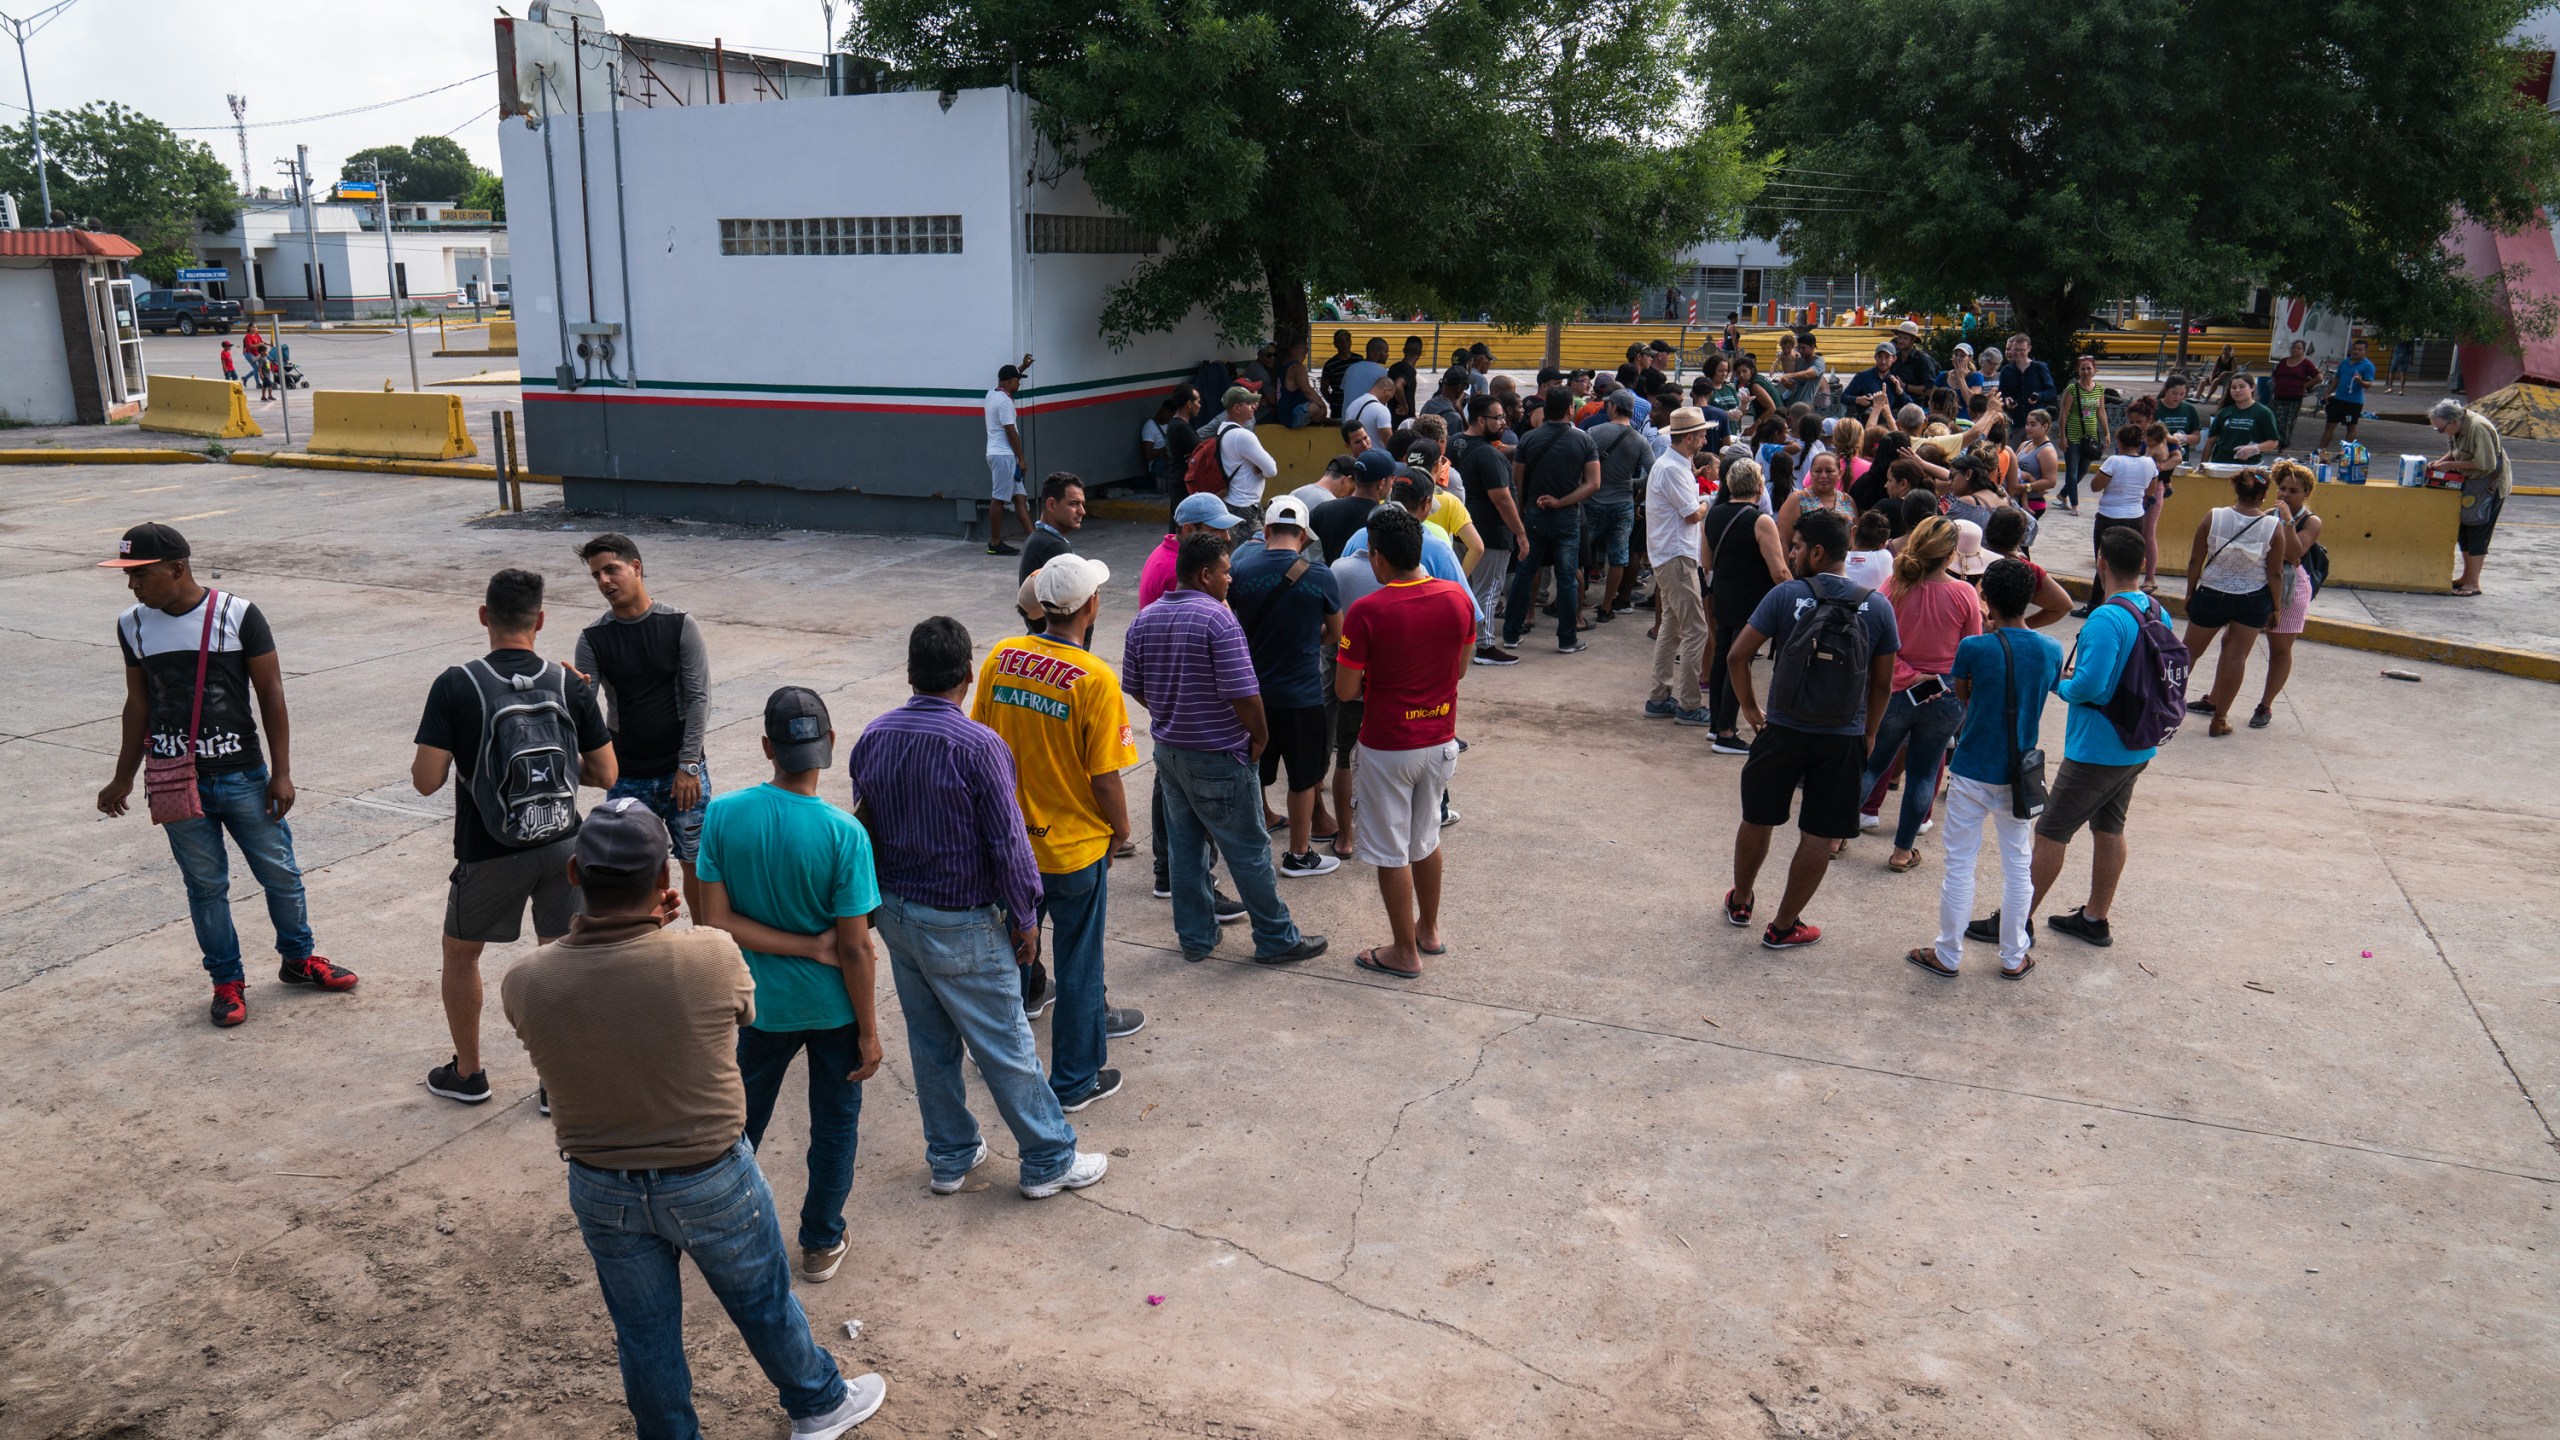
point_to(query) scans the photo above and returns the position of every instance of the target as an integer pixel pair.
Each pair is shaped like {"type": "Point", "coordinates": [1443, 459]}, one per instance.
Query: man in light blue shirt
{"type": "Point", "coordinates": [2346, 395]}
{"type": "Point", "coordinates": [1439, 557]}
{"type": "Point", "coordinates": [2094, 787]}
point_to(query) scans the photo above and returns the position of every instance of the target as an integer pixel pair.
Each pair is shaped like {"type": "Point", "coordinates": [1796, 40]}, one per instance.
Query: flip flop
{"type": "Point", "coordinates": [1926, 957]}
{"type": "Point", "coordinates": [2468, 594]}
{"type": "Point", "coordinates": [1901, 866]}
{"type": "Point", "coordinates": [1367, 960]}
{"type": "Point", "coordinates": [1439, 949]}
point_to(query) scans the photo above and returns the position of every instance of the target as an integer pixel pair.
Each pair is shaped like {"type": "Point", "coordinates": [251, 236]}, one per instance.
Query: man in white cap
{"type": "Point", "coordinates": [1674, 515]}
{"type": "Point", "coordinates": [1059, 709]}
{"type": "Point", "coordinates": [1285, 598]}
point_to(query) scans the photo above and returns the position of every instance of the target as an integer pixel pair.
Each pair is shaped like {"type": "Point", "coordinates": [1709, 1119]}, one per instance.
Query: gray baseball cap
{"type": "Point", "coordinates": [624, 836]}
{"type": "Point", "coordinates": [795, 720]}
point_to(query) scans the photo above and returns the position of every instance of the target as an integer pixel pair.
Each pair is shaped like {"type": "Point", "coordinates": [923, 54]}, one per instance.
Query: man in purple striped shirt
{"type": "Point", "coordinates": [1185, 660]}
{"type": "Point", "coordinates": [959, 910]}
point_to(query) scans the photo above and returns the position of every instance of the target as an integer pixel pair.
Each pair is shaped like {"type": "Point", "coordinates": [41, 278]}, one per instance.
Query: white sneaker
{"type": "Point", "coordinates": [862, 1397]}
{"type": "Point", "coordinates": [1870, 822]}
{"type": "Point", "coordinates": [1087, 1169]}
{"type": "Point", "coordinates": [1928, 825]}
{"type": "Point", "coordinates": [952, 1187]}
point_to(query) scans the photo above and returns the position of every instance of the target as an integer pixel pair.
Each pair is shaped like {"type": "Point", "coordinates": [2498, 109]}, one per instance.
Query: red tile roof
{"type": "Point", "coordinates": [66, 245]}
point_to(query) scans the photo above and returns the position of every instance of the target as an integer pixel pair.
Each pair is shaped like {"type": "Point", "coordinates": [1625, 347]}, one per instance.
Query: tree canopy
{"type": "Point", "coordinates": [121, 171]}
{"type": "Point", "coordinates": [2064, 153]}
{"type": "Point", "coordinates": [1514, 157]}
{"type": "Point", "coordinates": [488, 192]}
{"type": "Point", "coordinates": [430, 168]}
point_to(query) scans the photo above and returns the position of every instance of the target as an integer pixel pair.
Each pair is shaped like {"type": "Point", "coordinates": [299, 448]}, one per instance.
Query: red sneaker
{"type": "Point", "coordinates": [228, 1008]}
{"type": "Point", "coordinates": [316, 971]}
{"type": "Point", "coordinates": [1735, 914]}
{"type": "Point", "coordinates": [1788, 939]}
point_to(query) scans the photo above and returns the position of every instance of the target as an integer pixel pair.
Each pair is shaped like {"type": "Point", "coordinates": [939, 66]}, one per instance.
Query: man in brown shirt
{"type": "Point", "coordinates": [634, 1033]}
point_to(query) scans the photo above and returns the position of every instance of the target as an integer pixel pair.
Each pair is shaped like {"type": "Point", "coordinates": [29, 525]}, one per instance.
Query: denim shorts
{"type": "Point", "coordinates": [1611, 529]}
{"type": "Point", "coordinates": [684, 827]}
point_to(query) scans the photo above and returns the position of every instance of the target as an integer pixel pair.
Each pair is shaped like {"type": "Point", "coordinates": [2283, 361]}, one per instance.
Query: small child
{"type": "Point", "coordinates": [1978, 775]}
{"type": "Point", "coordinates": [1870, 563]}
{"type": "Point", "coordinates": [229, 371]}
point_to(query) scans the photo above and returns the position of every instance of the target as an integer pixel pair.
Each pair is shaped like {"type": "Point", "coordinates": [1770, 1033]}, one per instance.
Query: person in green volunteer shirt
{"type": "Point", "coordinates": [2179, 415]}
{"type": "Point", "coordinates": [2242, 431]}
{"type": "Point", "coordinates": [790, 877]}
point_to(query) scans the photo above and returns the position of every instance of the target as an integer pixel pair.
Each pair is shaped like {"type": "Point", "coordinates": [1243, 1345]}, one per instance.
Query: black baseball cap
{"type": "Point", "coordinates": [147, 544]}
{"type": "Point", "coordinates": [795, 720]}
{"type": "Point", "coordinates": [623, 836]}
{"type": "Point", "coordinates": [1661, 347]}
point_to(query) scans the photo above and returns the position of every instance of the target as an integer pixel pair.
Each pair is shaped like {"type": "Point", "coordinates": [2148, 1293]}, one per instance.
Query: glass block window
{"type": "Point", "coordinates": [1086, 235]}
{"type": "Point", "coordinates": [843, 235]}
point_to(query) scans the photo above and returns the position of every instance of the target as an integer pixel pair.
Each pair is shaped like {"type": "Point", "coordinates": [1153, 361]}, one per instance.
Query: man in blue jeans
{"type": "Point", "coordinates": [1059, 710]}
{"type": "Point", "coordinates": [1609, 516]}
{"type": "Point", "coordinates": [789, 877]}
{"type": "Point", "coordinates": [629, 1025]}
{"type": "Point", "coordinates": [960, 910]}
{"type": "Point", "coordinates": [191, 661]}
{"type": "Point", "coordinates": [1557, 468]}
{"type": "Point", "coordinates": [1186, 660]}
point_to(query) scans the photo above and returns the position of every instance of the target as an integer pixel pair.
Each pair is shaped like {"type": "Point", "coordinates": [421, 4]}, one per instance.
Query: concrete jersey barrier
{"type": "Point", "coordinates": [2379, 537]}
{"type": "Point", "coordinates": [502, 337]}
{"type": "Point", "coordinates": [215, 409]}
{"type": "Point", "coordinates": [391, 424]}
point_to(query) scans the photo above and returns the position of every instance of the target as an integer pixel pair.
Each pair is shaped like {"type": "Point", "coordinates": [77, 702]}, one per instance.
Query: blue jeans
{"type": "Point", "coordinates": [957, 983]}
{"type": "Point", "coordinates": [684, 827]}
{"type": "Point", "coordinates": [635, 1224]}
{"type": "Point", "coordinates": [1211, 797]}
{"type": "Point", "coordinates": [1073, 903]}
{"type": "Point", "coordinates": [1555, 538]}
{"type": "Point", "coordinates": [237, 801]}
{"type": "Point", "coordinates": [835, 1110]}
{"type": "Point", "coordinates": [1926, 729]}
{"type": "Point", "coordinates": [1613, 527]}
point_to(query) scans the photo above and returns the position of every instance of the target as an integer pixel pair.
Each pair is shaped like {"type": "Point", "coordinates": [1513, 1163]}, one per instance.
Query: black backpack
{"type": "Point", "coordinates": [526, 778]}
{"type": "Point", "coordinates": [2315, 560]}
{"type": "Point", "coordinates": [1819, 679]}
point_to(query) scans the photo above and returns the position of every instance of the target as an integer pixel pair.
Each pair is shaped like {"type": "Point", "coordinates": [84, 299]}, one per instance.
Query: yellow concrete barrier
{"type": "Point", "coordinates": [214, 409]}
{"type": "Point", "coordinates": [390, 424]}
{"type": "Point", "coordinates": [1301, 453]}
{"type": "Point", "coordinates": [2379, 537]}
{"type": "Point", "coordinates": [502, 337]}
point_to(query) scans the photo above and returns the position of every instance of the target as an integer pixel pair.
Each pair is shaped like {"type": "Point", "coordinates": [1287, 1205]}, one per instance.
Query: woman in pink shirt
{"type": "Point", "coordinates": [1935, 612]}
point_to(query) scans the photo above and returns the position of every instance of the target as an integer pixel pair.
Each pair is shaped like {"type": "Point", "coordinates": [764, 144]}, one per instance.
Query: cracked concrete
{"type": "Point", "coordinates": [1607, 1170]}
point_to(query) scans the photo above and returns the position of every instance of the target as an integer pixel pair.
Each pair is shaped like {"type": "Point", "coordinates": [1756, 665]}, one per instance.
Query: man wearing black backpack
{"type": "Point", "coordinates": [519, 734]}
{"type": "Point", "coordinates": [1834, 647]}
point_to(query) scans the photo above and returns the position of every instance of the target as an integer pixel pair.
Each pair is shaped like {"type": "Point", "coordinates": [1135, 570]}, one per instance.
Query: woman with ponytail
{"type": "Point", "coordinates": [1935, 612]}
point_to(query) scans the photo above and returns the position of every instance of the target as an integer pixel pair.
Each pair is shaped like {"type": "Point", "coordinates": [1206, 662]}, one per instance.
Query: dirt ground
{"type": "Point", "coordinates": [2279, 1163]}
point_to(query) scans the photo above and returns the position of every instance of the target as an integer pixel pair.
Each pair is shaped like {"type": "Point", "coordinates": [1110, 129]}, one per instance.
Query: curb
{"type": "Point", "coordinates": [2347, 634]}
{"type": "Point", "coordinates": [434, 469]}
{"type": "Point", "coordinates": [105, 455]}
{"type": "Point", "coordinates": [1139, 510]}
{"type": "Point", "coordinates": [2545, 490]}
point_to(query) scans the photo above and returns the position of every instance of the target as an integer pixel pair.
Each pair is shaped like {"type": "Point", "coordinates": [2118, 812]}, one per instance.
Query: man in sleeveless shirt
{"type": "Point", "coordinates": [650, 664]}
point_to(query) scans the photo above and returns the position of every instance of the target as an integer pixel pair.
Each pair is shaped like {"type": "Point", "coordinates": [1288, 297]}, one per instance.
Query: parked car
{"type": "Point", "coordinates": [185, 311]}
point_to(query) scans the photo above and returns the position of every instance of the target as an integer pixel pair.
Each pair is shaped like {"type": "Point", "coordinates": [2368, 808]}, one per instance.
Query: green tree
{"type": "Point", "coordinates": [488, 192]}
{"type": "Point", "coordinates": [2064, 153]}
{"type": "Point", "coordinates": [1505, 156]}
{"type": "Point", "coordinates": [121, 171]}
{"type": "Point", "coordinates": [430, 168]}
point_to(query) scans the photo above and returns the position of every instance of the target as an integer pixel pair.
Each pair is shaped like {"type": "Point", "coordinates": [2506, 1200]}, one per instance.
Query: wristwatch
{"type": "Point", "coordinates": [693, 769]}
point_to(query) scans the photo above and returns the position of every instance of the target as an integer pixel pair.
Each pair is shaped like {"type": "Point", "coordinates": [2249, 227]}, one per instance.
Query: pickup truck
{"type": "Point", "coordinates": [186, 310]}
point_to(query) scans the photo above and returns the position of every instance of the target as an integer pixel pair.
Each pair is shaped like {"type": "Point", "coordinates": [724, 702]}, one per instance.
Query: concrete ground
{"type": "Point", "coordinates": [2280, 1162]}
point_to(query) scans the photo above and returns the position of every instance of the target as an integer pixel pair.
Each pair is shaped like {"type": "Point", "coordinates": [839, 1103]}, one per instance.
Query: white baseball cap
{"type": "Point", "coordinates": [1287, 510]}
{"type": "Point", "coordinates": [1067, 581]}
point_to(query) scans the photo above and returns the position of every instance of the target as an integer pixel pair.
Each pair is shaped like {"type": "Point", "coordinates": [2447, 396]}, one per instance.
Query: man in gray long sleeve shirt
{"type": "Point", "coordinates": [655, 674]}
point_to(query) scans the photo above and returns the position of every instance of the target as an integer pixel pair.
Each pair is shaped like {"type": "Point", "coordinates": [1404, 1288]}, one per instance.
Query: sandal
{"type": "Point", "coordinates": [2472, 594]}
{"type": "Point", "coordinates": [2219, 728]}
{"type": "Point", "coordinates": [1368, 960]}
{"type": "Point", "coordinates": [1926, 957]}
{"type": "Point", "coordinates": [2261, 718]}
{"type": "Point", "coordinates": [1898, 865]}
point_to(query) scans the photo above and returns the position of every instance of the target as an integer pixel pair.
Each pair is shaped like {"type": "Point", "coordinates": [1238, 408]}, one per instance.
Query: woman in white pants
{"type": "Point", "coordinates": [2003, 676]}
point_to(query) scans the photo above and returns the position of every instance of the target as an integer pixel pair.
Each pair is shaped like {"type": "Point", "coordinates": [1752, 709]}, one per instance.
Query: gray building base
{"type": "Point", "coordinates": [778, 505]}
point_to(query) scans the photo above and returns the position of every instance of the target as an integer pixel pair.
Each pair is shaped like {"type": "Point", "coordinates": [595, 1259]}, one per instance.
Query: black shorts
{"type": "Point", "coordinates": [1830, 769]}
{"type": "Point", "coordinates": [1298, 742]}
{"type": "Point", "coordinates": [2084, 794]}
{"type": "Point", "coordinates": [486, 899]}
{"type": "Point", "coordinates": [1346, 729]}
{"type": "Point", "coordinates": [2213, 609]}
{"type": "Point", "coordinates": [2473, 539]}
{"type": "Point", "coordinates": [2343, 412]}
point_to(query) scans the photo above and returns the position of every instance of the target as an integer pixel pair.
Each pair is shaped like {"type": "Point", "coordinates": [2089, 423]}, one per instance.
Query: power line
{"type": "Point", "coordinates": [359, 110]}
{"type": "Point", "coordinates": [474, 120]}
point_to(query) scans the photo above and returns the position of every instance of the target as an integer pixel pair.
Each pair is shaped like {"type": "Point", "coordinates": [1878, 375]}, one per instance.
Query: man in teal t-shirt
{"type": "Point", "coordinates": [789, 875]}
{"type": "Point", "coordinates": [2094, 787]}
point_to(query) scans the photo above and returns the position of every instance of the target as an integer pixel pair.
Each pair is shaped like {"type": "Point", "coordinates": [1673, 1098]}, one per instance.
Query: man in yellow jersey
{"type": "Point", "coordinates": [1059, 710]}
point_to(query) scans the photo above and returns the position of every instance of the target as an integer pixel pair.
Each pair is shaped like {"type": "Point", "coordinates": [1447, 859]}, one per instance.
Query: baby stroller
{"type": "Point", "coordinates": [280, 357]}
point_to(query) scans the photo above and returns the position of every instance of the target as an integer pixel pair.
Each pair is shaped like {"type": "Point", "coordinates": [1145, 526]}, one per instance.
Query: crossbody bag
{"type": "Point", "coordinates": [169, 781]}
{"type": "Point", "coordinates": [2026, 767]}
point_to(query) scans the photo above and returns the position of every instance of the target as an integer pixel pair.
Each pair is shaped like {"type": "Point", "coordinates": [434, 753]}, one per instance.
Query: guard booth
{"type": "Point", "coordinates": [759, 290]}
{"type": "Point", "coordinates": [67, 325]}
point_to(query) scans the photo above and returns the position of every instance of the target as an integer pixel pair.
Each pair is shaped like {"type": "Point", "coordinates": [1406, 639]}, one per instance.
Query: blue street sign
{"type": "Point", "coordinates": [200, 274]}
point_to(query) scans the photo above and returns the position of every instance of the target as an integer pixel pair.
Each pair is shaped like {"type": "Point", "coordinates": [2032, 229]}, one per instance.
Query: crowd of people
{"type": "Point", "coordinates": [1313, 639]}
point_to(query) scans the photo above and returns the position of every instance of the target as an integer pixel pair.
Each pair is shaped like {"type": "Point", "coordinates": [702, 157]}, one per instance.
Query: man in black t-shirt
{"type": "Point", "coordinates": [1556, 468]}
{"type": "Point", "coordinates": [654, 673]}
{"type": "Point", "coordinates": [1336, 521]}
{"type": "Point", "coordinates": [492, 880]}
{"type": "Point", "coordinates": [177, 630]}
{"type": "Point", "coordinates": [1061, 516]}
{"type": "Point", "coordinates": [1485, 472]}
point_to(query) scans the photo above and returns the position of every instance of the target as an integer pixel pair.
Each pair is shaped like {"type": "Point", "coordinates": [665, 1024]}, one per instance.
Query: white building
{"type": "Point", "coordinates": [435, 259]}
{"type": "Point", "coordinates": [748, 298]}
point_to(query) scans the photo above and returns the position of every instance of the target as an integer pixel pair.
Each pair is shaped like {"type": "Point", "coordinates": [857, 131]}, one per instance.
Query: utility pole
{"type": "Point", "coordinates": [827, 8]}
{"type": "Point", "coordinates": [391, 271]}
{"type": "Point", "coordinates": [310, 236]}
{"type": "Point", "coordinates": [240, 127]}
{"type": "Point", "coordinates": [22, 31]}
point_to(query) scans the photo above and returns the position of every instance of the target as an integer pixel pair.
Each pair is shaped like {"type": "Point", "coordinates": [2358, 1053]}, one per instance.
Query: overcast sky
{"type": "Point", "coordinates": [175, 60]}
